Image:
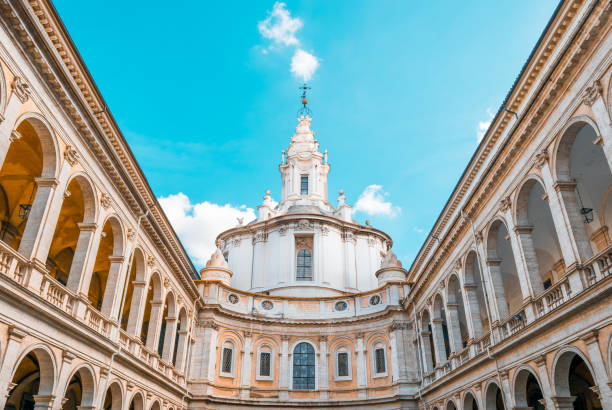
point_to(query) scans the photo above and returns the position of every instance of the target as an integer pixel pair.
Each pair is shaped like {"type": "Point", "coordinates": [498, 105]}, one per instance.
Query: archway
{"type": "Point", "coordinates": [494, 399]}
{"type": "Point", "coordinates": [114, 398]}
{"type": "Point", "coordinates": [135, 293]}
{"type": "Point", "coordinates": [137, 402]}
{"type": "Point", "coordinates": [574, 379]}
{"type": "Point", "coordinates": [33, 376]}
{"type": "Point", "coordinates": [168, 329]}
{"type": "Point", "coordinates": [527, 391]}
{"type": "Point", "coordinates": [456, 313]}
{"type": "Point", "coordinates": [502, 268]}
{"type": "Point", "coordinates": [469, 402]}
{"type": "Point", "coordinates": [180, 343]}
{"type": "Point", "coordinates": [109, 259]}
{"type": "Point", "coordinates": [156, 406]}
{"type": "Point", "coordinates": [538, 237]}
{"type": "Point", "coordinates": [27, 181]}
{"type": "Point", "coordinates": [450, 405]}
{"type": "Point", "coordinates": [475, 295]}
{"type": "Point", "coordinates": [439, 329]}
{"type": "Point", "coordinates": [149, 329]}
{"type": "Point", "coordinates": [80, 391]}
{"type": "Point", "coordinates": [73, 232]}
{"type": "Point", "coordinates": [427, 343]}
{"type": "Point", "coordinates": [584, 176]}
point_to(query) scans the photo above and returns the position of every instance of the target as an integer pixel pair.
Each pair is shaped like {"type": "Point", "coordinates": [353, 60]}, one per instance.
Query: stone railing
{"type": "Point", "coordinates": [97, 321]}
{"type": "Point", "coordinates": [553, 297]}
{"type": "Point", "coordinates": [12, 264]}
{"type": "Point", "coordinates": [55, 293]}
{"type": "Point", "coordinates": [598, 268]}
{"type": "Point", "coordinates": [464, 355]}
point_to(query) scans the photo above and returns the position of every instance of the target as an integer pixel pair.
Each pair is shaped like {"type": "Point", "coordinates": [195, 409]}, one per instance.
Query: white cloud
{"type": "Point", "coordinates": [279, 26]}
{"type": "Point", "coordinates": [304, 64]}
{"type": "Point", "coordinates": [198, 224]}
{"type": "Point", "coordinates": [483, 126]}
{"type": "Point", "coordinates": [372, 202]}
{"type": "Point", "coordinates": [418, 230]}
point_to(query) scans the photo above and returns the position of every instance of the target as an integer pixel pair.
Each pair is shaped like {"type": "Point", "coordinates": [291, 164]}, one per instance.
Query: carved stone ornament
{"type": "Point", "coordinates": [592, 93]}
{"type": "Point", "coordinates": [131, 234]}
{"type": "Point", "coordinates": [479, 237]}
{"type": "Point", "coordinates": [150, 261]}
{"type": "Point", "coordinates": [505, 204]}
{"type": "Point", "coordinates": [71, 155]}
{"type": "Point", "coordinates": [304, 225]}
{"type": "Point", "coordinates": [166, 282]}
{"type": "Point", "coordinates": [106, 200]}
{"type": "Point", "coordinates": [541, 159]}
{"type": "Point", "coordinates": [282, 230]}
{"type": "Point", "coordinates": [324, 230]}
{"type": "Point", "coordinates": [371, 242]}
{"type": "Point", "coordinates": [260, 236]}
{"type": "Point", "coordinates": [348, 236]}
{"type": "Point", "coordinates": [21, 89]}
{"type": "Point", "coordinates": [267, 305]}
{"type": "Point", "coordinates": [458, 264]}
{"type": "Point", "coordinates": [236, 242]}
{"type": "Point", "coordinates": [303, 242]}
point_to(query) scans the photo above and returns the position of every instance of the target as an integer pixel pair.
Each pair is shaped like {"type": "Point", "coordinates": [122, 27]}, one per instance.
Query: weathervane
{"type": "Point", "coordinates": [304, 111]}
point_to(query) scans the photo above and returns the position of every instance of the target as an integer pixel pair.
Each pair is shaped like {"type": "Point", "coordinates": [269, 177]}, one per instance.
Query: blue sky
{"type": "Point", "coordinates": [207, 102]}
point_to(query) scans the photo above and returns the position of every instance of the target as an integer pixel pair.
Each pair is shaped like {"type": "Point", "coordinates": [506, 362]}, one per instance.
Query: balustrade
{"type": "Point", "coordinates": [12, 264]}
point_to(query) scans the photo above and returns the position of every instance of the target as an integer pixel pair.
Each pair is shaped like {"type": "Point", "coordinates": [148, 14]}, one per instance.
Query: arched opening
{"type": "Point", "coordinates": [304, 367]}
{"type": "Point", "coordinates": [135, 293]}
{"type": "Point", "coordinates": [109, 258]}
{"type": "Point", "coordinates": [584, 179]}
{"type": "Point", "coordinates": [456, 313]}
{"type": "Point", "coordinates": [137, 402]}
{"type": "Point", "coordinates": [494, 399]}
{"type": "Point", "coordinates": [474, 292]}
{"type": "Point", "coordinates": [527, 391]}
{"type": "Point", "coordinates": [427, 343]}
{"type": "Point", "coordinates": [30, 156]}
{"type": "Point", "coordinates": [168, 332]}
{"type": "Point", "coordinates": [469, 402]}
{"type": "Point", "coordinates": [80, 390]}
{"type": "Point", "coordinates": [151, 312]}
{"type": "Point", "coordinates": [450, 405]}
{"type": "Point", "coordinates": [502, 268]}
{"type": "Point", "coordinates": [113, 398]}
{"type": "Point", "coordinates": [439, 330]}
{"type": "Point", "coordinates": [180, 340]}
{"type": "Point", "coordinates": [156, 406]}
{"type": "Point", "coordinates": [34, 376]}
{"type": "Point", "coordinates": [73, 231]}
{"type": "Point", "coordinates": [538, 237]}
{"type": "Point", "coordinates": [574, 382]}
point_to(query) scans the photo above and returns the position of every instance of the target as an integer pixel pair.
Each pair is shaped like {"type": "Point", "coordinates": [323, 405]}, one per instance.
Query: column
{"type": "Point", "coordinates": [478, 395]}
{"type": "Point", "coordinates": [499, 294]}
{"type": "Point", "coordinates": [563, 403]}
{"type": "Point", "coordinates": [454, 329]}
{"type": "Point", "coordinates": [44, 402]}
{"type": "Point", "coordinates": [473, 309]}
{"type": "Point", "coordinates": [114, 287]}
{"type": "Point", "coordinates": [323, 368]}
{"type": "Point", "coordinates": [259, 261]}
{"type": "Point", "coordinates": [438, 339]}
{"type": "Point", "coordinates": [40, 209]}
{"type": "Point", "coordinates": [593, 98]}
{"type": "Point", "coordinates": [181, 351]}
{"type": "Point", "coordinates": [7, 124]}
{"type": "Point", "coordinates": [283, 384]}
{"type": "Point", "coordinates": [530, 259]}
{"type": "Point", "coordinates": [102, 387]}
{"type": "Point", "coordinates": [245, 372]}
{"type": "Point", "coordinates": [139, 294]}
{"type": "Point", "coordinates": [362, 368]}
{"type": "Point", "coordinates": [597, 362]}
{"type": "Point", "coordinates": [169, 339]}
{"type": "Point", "coordinates": [569, 200]}
{"type": "Point", "coordinates": [50, 222]}
{"type": "Point", "coordinates": [522, 269]}
{"type": "Point", "coordinates": [62, 380]}
{"type": "Point", "coordinates": [11, 352]}
{"type": "Point", "coordinates": [505, 386]}
{"type": "Point", "coordinates": [154, 326]}
{"type": "Point", "coordinates": [350, 270]}
{"type": "Point", "coordinates": [540, 361]}
{"type": "Point", "coordinates": [82, 251]}
{"type": "Point", "coordinates": [428, 364]}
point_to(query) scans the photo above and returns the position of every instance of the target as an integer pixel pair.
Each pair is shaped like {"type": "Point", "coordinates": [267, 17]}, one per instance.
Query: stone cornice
{"type": "Point", "coordinates": [472, 192]}
{"type": "Point", "coordinates": [39, 30]}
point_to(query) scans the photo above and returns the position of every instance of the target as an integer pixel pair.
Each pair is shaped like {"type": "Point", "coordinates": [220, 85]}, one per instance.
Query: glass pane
{"type": "Point", "coordinates": [342, 364]}
{"type": "Point", "coordinates": [227, 360]}
{"type": "Point", "coordinates": [264, 364]}
{"type": "Point", "coordinates": [380, 361]}
{"type": "Point", "coordinates": [303, 367]}
{"type": "Point", "coordinates": [304, 185]}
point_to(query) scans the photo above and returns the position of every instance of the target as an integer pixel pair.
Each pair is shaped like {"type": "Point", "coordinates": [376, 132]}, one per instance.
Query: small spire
{"type": "Point", "coordinates": [304, 111]}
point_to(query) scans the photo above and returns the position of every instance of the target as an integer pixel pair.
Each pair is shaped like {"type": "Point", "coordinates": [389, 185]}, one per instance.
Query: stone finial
{"type": "Point", "coordinates": [391, 269]}
{"type": "Point", "coordinates": [391, 260]}
{"type": "Point", "coordinates": [341, 198]}
{"type": "Point", "coordinates": [217, 267]}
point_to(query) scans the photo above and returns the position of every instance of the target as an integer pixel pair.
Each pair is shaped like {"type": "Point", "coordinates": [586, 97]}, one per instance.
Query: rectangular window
{"type": "Point", "coordinates": [227, 360]}
{"type": "Point", "coordinates": [304, 185]}
{"type": "Point", "coordinates": [380, 361]}
{"type": "Point", "coordinates": [264, 364]}
{"type": "Point", "coordinates": [343, 364]}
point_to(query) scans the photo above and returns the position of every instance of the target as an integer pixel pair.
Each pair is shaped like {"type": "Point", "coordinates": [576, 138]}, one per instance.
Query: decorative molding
{"type": "Point", "coordinates": [592, 93]}
{"type": "Point", "coordinates": [541, 159]}
{"type": "Point", "coordinates": [236, 242]}
{"type": "Point", "coordinates": [21, 89]}
{"type": "Point", "coordinates": [131, 234]}
{"type": "Point", "coordinates": [505, 204]}
{"type": "Point", "coordinates": [15, 135]}
{"type": "Point", "coordinates": [282, 231]}
{"type": "Point", "coordinates": [305, 225]}
{"type": "Point", "coordinates": [106, 200]}
{"type": "Point", "coordinates": [260, 236]}
{"type": "Point", "coordinates": [324, 230]}
{"type": "Point", "coordinates": [151, 261]}
{"type": "Point", "coordinates": [71, 155]}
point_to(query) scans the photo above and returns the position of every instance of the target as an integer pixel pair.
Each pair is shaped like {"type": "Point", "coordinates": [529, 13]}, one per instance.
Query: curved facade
{"type": "Point", "coordinates": [506, 306]}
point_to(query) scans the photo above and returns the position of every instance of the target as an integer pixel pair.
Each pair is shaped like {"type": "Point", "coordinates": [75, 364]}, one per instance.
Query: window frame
{"type": "Point", "coordinates": [382, 346]}
{"type": "Point", "coordinates": [302, 178]}
{"type": "Point", "coordinates": [315, 361]}
{"type": "Point", "coordinates": [349, 376]}
{"type": "Point", "coordinates": [297, 266]}
{"type": "Point", "coordinates": [227, 344]}
{"type": "Point", "coordinates": [265, 348]}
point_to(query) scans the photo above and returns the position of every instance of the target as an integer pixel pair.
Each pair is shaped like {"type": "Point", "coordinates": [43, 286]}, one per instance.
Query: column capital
{"type": "Point", "coordinates": [46, 182]}
{"type": "Point", "coordinates": [591, 337]}
{"type": "Point", "coordinates": [468, 286]}
{"type": "Point", "coordinates": [284, 337]}
{"type": "Point", "coordinates": [523, 229]}
{"type": "Point", "coordinates": [16, 334]}
{"type": "Point", "coordinates": [323, 338]}
{"type": "Point", "coordinates": [87, 226]}
{"type": "Point", "coordinates": [116, 259]}
{"type": "Point", "coordinates": [563, 402]}
{"type": "Point", "coordinates": [540, 360]}
{"type": "Point", "coordinates": [493, 262]}
{"type": "Point", "coordinates": [565, 186]}
{"type": "Point", "coordinates": [68, 357]}
{"type": "Point", "coordinates": [452, 306]}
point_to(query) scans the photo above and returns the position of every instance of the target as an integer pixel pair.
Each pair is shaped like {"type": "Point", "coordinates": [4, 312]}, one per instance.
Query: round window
{"type": "Point", "coordinates": [267, 305]}
{"type": "Point", "coordinates": [375, 300]}
{"type": "Point", "coordinates": [342, 305]}
{"type": "Point", "coordinates": [233, 299]}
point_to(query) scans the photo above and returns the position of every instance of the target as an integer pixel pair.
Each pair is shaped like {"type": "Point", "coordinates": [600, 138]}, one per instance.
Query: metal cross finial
{"type": "Point", "coordinates": [304, 111]}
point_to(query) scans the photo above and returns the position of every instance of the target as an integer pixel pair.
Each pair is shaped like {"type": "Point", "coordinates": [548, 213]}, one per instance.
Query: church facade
{"type": "Point", "coordinates": [508, 304]}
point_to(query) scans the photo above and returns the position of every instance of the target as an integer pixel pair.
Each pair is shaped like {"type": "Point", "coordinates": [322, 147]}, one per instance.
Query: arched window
{"type": "Point", "coordinates": [227, 359]}
{"type": "Point", "coordinates": [303, 367]}
{"type": "Point", "coordinates": [304, 265]}
{"type": "Point", "coordinates": [343, 364]}
{"type": "Point", "coordinates": [379, 360]}
{"type": "Point", "coordinates": [265, 363]}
